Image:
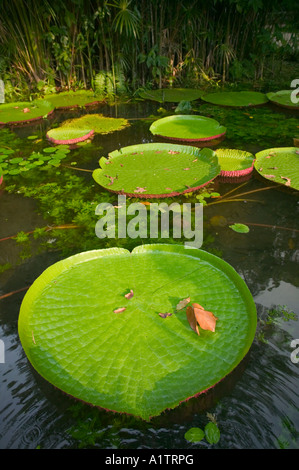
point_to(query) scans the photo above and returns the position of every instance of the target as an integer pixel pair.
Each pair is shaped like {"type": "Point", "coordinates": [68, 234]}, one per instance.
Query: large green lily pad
{"type": "Point", "coordinates": [157, 170]}
{"type": "Point", "coordinates": [283, 98]}
{"type": "Point", "coordinates": [280, 165]}
{"type": "Point", "coordinates": [234, 162]}
{"type": "Point", "coordinates": [80, 129]}
{"type": "Point", "coordinates": [23, 111]}
{"type": "Point", "coordinates": [173, 95]}
{"type": "Point", "coordinates": [136, 361]}
{"type": "Point", "coordinates": [70, 99]}
{"type": "Point", "coordinates": [236, 98]}
{"type": "Point", "coordinates": [188, 128]}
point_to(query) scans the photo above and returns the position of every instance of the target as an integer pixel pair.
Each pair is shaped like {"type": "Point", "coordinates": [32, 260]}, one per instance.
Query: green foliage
{"type": "Point", "coordinates": [211, 432]}
{"type": "Point", "coordinates": [240, 228]}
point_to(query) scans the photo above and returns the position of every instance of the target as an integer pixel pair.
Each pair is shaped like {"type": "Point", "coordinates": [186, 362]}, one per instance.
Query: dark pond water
{"type": "Point", "coordinates": [256, 406]}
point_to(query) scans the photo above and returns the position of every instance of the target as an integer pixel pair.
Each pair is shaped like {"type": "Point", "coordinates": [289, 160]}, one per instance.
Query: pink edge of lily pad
{"type": "Point", "coordinates": [71, 141]}
{"type": "Point", "coordinates": [237, 173]}
{"type": "Point", "coordinates": [1, 179]}
{"type": "Point", "coordinates": [159, 196]}
{"type": "Point", "coordinates": [202, 139]}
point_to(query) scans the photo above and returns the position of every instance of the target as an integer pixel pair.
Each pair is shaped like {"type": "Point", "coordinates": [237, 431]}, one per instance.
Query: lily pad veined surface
{"type": "Point", "coordinates": [156, 170]}
{"type": "Point", "coordinates": [283, 98]}
{"type": "Point", "coordinates": [188, 128]}
{"type": "Point", "coordinates": [135, 362]}
{"type": "Point", "coordinates": [82, 128]}
{"type": "Point", "coordinates": [173, 95]}
{"type": "Point", "coordinates": [235, 162]}
{"type": "Point", "coordinates": [236, 98]}
{"type": "Point", "coordinates": [280, 165]}
{"type": "Point", "coordinates": [71, 99]}
{"type": "Point", "coordinates": [23, 111]}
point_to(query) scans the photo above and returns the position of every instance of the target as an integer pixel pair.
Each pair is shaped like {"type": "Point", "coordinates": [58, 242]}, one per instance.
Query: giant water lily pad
{"type": "Point", "coordinates": [157, 170]}
{"type": "Point", "coordinates": [280, 165]}
{"type": "Point", "coordinates": [236, 98]}
{"type": "Point", "coordinates": [234, 163]}
{"type": "Point", "coordinates": [173, 95]}
{"type": "Point", "coordinates": [283, 98]}
{"type": "Point", "coordinates": [23, 111]}
{"type": "Point", "coordinates": [71, 99]}
{"type": "Point", "coordinates": [82, 128]}
{"type": "Point", "coordinates": [188, 128]}
{"type": "Point", "coordinates": [135, 361]}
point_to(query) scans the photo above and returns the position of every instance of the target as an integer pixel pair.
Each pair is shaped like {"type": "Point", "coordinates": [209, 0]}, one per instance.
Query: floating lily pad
{"type": "Point", "coordinates": [236, 98]}
{"type": "Point", "coordinates": [283, 98]}
{"type": "Point", "coordinates": [280, 165]}
{"type": "Point", "coordinates": [82, 128]}
{"type": "Point", "coordinates": [188, 128]}
{"type": "Point", "coordinates": [83, 335]}
{"type": "Point", "coordinates": [22, 112]}
{"type": "Point", "coordinates": [71, 99]}
{"type": "Point", "coordinates": [173, 95]}
{"type": "Point", "coordinates": [157, 170]}
{"type": "Point", "coordinates": [234, 163]}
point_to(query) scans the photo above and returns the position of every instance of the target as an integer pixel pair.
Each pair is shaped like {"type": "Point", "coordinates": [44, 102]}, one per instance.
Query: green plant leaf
{"type": "Point", "coordinates": [135, 362]}
{"type": "Point", "coordinates": [157, 170]}
{"type": "Point", "coordinates": [187, 128]}
{"type": "Point", "coordinates": [194, 435]}
{"type": "Point", "coordinates": [212, 433]}
{"type": "Point", "coordinates": [240, 228]}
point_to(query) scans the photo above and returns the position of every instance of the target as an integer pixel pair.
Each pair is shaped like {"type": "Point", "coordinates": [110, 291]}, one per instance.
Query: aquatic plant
{"type": "Point", "coordinates": [283, 98]}
{"type": "Point", "coordinates": [234, 163]}
{"type": "Point", "coordinates": [19, 113]}
{"type": "Point", "coordinates": [173, 95]}
{"type": "Point", "coordinates": [236, 98]}
{"type": "Point", "coordinates": [156, 170]}
{"type": "Point", "coordinates": [187, 128]}
{"type": "Point", "coordinates": [280, 165]}
{"type": "Point", "coordinates": [73, 99]}
{"type": "Point", "coordinates": [149, 347]}
{"type": "Point", "coordinates": [82, 128]}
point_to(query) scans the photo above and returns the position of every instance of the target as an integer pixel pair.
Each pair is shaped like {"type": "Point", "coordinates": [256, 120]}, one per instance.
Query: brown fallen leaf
{"type": "Point", "coordinates": [26, 110]}
{"type": "Point", "coordinates": [205, 319]}
{"type": "Point", "coordinates": [140, 190]}
{"type": "Point", "coordinates": [164, 315]}
{"type": "Point", "coordinates": [269, 176]}
{"type": "Point", "coordinates": [185, 169]}
{"type": "Point", "coordinates": [129, 295]}
{"type": "Point", "coordinates": [288, 180]}
{"type": "Point", "coordinates": [182, 303]}
{"type": "Point", "coordinates": [119, 310]}
{"type": "Point", "coordinates": [192, 319]}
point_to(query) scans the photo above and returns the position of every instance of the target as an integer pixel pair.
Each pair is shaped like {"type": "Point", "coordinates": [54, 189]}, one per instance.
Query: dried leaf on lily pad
{"type": "Point", "coordinates": [205, 319]}
{"type": "Point", "coordinates": [135, 362]}
{"type": "Point", "coordinates": [192, 319]}
{"type": "Point", "coordinates": [119, 310]}
{"type": "Point", "coordinates": [129, 295]}
{"type": "Point", "coordinates": [182, 303]}
{"type": "Point", "coordinates": [165, 315]}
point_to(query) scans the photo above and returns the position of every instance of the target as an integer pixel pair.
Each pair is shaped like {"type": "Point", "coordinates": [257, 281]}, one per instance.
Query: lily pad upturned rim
{"type": "Point", "coordinates": [192, 156]}
{"type": "Point", "coordinates": [241, 158]}
{"type": "Point", "coordinates": [148, 380]}
{"type": "Point", "coordinates": [272, 172]}
{"type": "Point", "coordinates": [75, 97]}
{"type": "Point", "coordinates": [248, 98]}
{"type": "Point", "coordinates": [1, 176]}
{"type": "Point", "coordinates": [172, 95]}
{"type": "Point", "coordinates": [84, 135]}
{"type": "Point", "coordinates": [280, 98]}
{"type": "Point", "coordinates": [164, 128]}
{"type": "Point", "coordinates": [45, 108]}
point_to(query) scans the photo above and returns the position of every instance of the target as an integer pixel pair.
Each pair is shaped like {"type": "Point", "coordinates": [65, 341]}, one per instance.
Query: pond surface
{"type": "Point", "coordinates": [257, 405]}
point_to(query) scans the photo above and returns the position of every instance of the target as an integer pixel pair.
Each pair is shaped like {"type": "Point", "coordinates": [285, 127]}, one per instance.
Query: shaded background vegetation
{"type": "Point", "coordinates": [122, 45]}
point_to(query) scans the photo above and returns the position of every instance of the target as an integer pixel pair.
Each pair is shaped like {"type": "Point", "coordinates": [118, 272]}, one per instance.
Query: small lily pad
{"type": "Point", "coordinates": [194, 435]}
{"type": "Point", "coordinates": [212, 433]}
{"type": "Point", "coordinates": [240, 228]}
